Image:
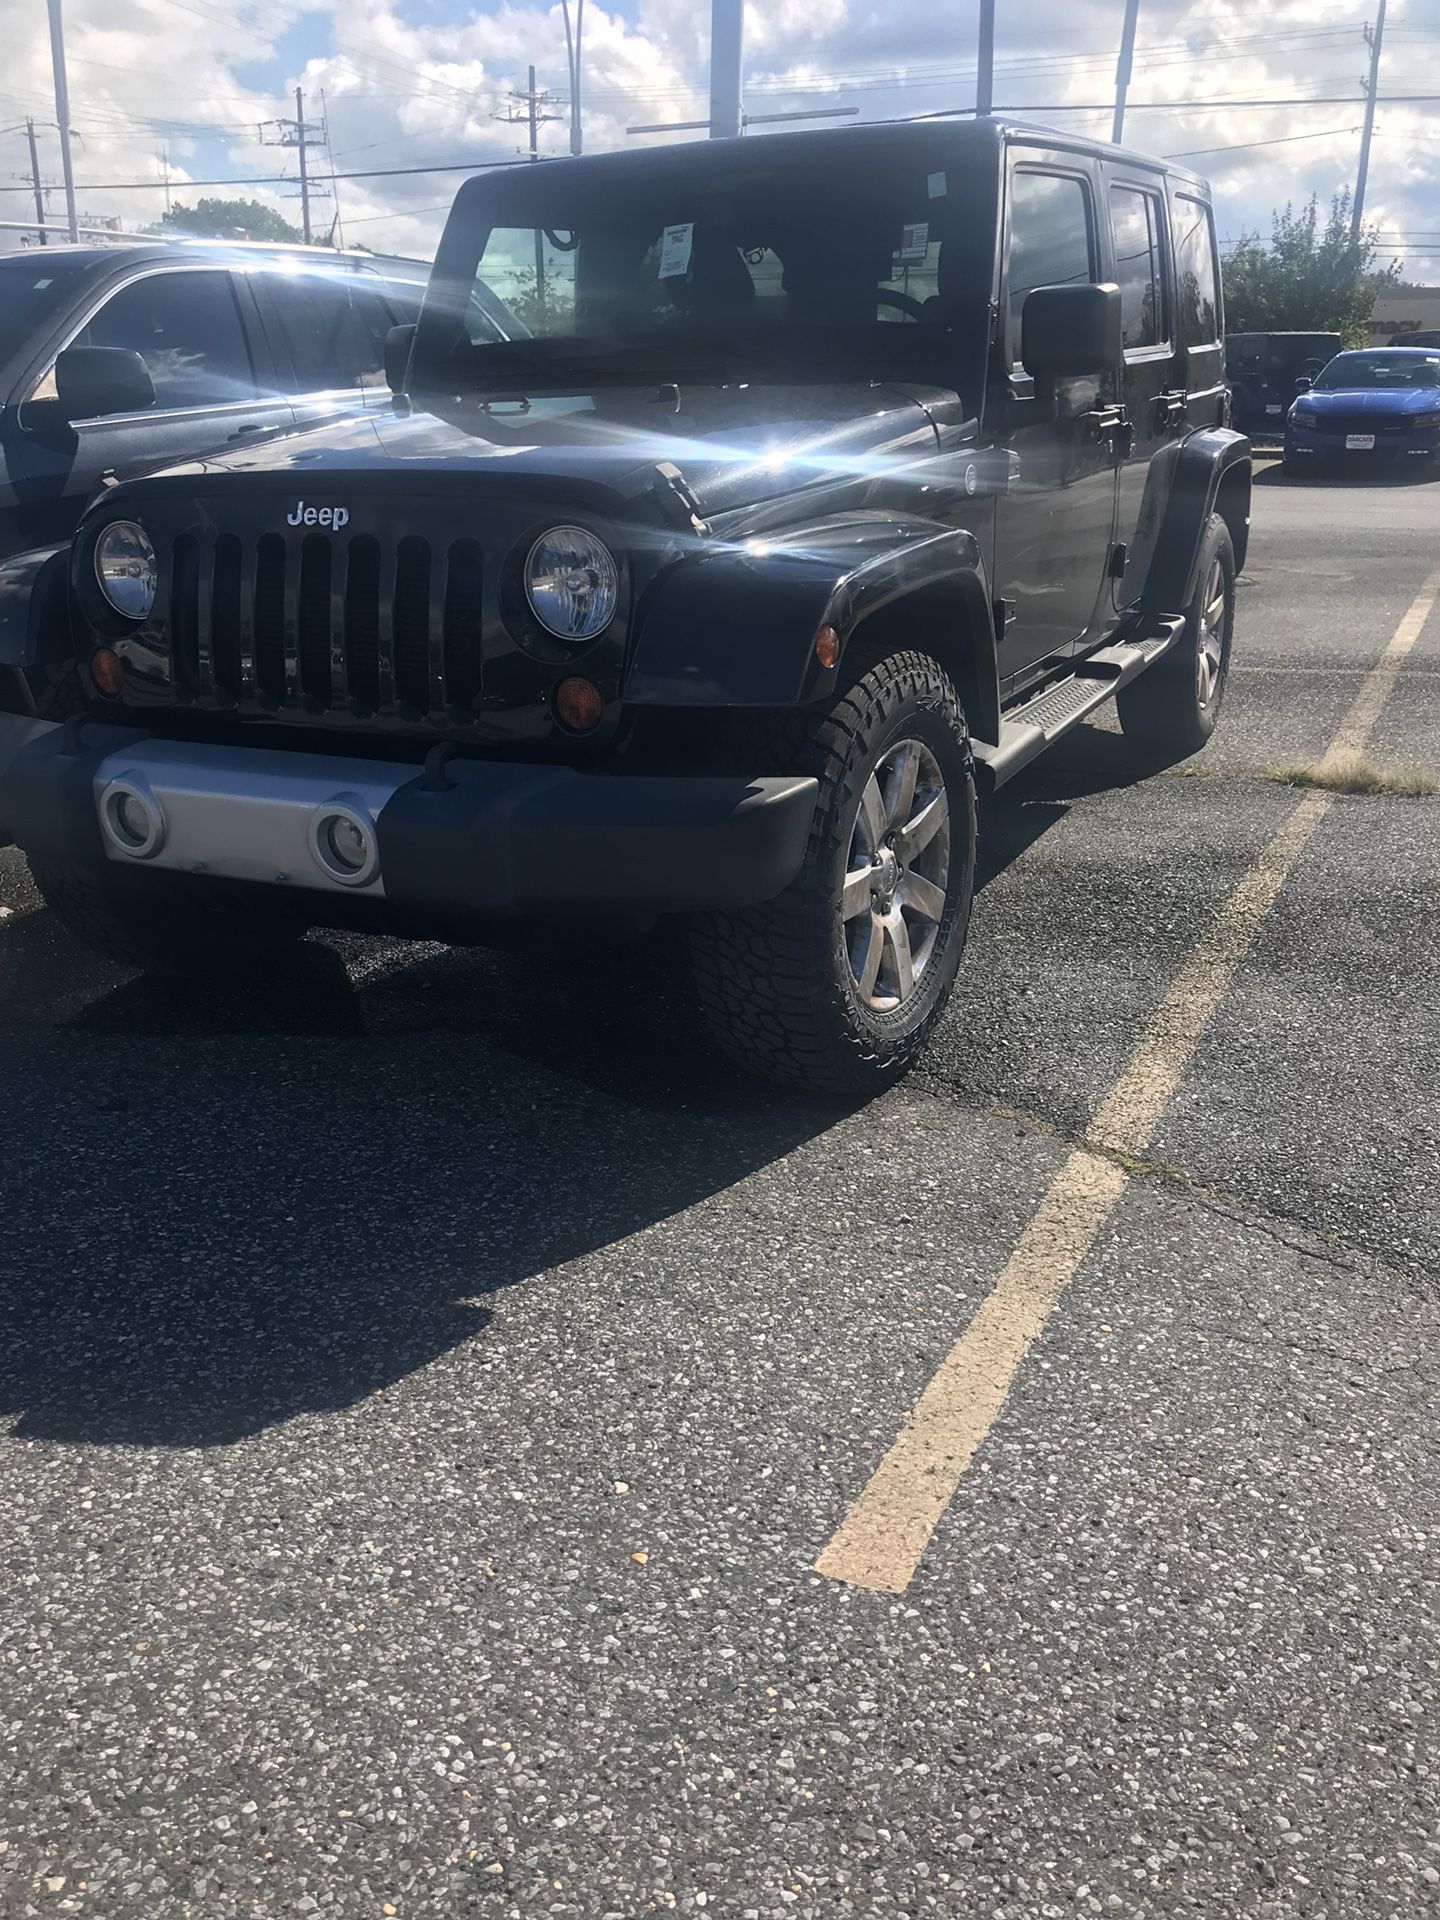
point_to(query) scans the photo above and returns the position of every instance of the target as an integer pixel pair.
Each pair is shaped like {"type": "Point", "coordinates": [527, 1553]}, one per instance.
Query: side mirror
{"type": "Point", "coordinates": [398, 342]}
{"type": "Point", "coordinates": [1069, 331]}
{"type": "Point", "coordinates": [1304, 383]}
{"type": "Point", "coordinates": [93, 381]}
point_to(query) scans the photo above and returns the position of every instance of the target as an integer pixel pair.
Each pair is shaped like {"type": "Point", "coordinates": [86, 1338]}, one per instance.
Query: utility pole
{"type": "Point", "coordinates": [727, 59]}
{"type": "Point", "coordinates": [573, 55]}
{"type": "Point", "coordinates": [304, 176]}
{"type": "Point", "coordinates": [298, 134]}
{"type": "Point", "coordinates": [1123, 68]}
{"type": "Point", "coordinates": [527, 111]}
{"type": "Point", "coordinates": [1375, 41]}
{"type": "Point", "coordinates": [985, 61]}
{"type": "Point", "coordinates": [62, 115]}
{"type": "Point", "coordinates": [39, 183]}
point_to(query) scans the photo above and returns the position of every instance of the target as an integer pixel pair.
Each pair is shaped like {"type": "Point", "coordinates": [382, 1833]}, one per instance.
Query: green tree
{"type": "Point", "coordinates": [228, 220]}
{"type": "Point", "coordinates": [1311, 278]}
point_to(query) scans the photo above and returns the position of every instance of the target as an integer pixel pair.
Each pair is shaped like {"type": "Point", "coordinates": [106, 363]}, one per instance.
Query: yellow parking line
{"type": "Point", "coordinates": [880, 1541]}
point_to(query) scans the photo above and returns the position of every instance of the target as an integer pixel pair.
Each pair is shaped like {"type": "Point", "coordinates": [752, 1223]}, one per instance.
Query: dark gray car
{"type": "Point", "coordinates": [117, 359]}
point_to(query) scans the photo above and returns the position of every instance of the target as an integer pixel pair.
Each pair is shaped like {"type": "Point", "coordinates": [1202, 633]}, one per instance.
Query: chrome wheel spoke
{"type": "Point", "coordinates": [872, 814]}
{"type": "Point", "coordinates": [902, 964]}
{"type": "Point", "coordinates": [856, 892]}
{"type": "Point", "coordinates": [906, 772]}
{"type": "Point", "coordinates": [867, 971]}
{"type": "Point", "coordinates": [922, 896]}
{"type": "Point", "coordinates": [921, 828]}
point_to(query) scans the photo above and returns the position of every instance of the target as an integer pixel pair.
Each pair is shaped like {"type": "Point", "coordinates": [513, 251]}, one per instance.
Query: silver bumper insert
{"type": "Point", "coordinates": [242, 813]}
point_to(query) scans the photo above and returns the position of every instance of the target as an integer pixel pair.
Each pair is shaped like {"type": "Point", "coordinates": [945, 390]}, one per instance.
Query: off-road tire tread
{"type": "Point", "coordinates": [1159, 711]}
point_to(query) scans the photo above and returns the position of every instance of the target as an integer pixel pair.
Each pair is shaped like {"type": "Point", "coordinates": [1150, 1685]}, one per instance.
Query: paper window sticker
{"type": "Point", "coordinates": [935, 185]}
{"type": "Point", "coordinates": [914, 240]}
{"type": "Point", "coordinates": [675, 250]}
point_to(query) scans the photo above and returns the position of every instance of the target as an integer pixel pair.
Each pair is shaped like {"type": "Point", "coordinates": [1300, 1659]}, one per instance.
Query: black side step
{"type": "Point", "coordinates": [1037, 723]}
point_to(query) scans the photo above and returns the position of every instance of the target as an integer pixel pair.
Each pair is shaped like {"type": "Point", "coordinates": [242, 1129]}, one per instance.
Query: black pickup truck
{"type": "Point", "coordinates": [837, 475]}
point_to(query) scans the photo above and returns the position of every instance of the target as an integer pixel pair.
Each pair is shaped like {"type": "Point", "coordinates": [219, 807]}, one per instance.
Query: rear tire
{"type": "Point", "coordinates": [836, 984]}
{"type": "Point", "coordinates": [159, 928]}
{"type": "Point", "coordinates": [1172, 709]}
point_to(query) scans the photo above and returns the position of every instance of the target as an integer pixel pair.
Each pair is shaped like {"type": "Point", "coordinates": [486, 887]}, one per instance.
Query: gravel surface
{"type": "Point", "coordinates": [426, 1384]}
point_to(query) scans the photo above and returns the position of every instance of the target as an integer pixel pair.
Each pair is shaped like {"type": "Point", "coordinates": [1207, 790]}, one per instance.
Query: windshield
{"type": "Point", "coordinates": [730, 265]}
{"type": "Point", "coordinates": [33, 289]}
{"type": "Point", "coordinates": [1351, 370]}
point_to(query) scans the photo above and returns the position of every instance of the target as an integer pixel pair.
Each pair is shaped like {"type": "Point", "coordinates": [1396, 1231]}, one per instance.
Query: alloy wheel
{"type": "Point", "coordinates": [897, 873]}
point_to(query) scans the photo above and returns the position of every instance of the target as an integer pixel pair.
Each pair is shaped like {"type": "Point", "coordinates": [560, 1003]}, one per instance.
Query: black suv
{"type": "Point", "coordinates": [1265, 371]}
{"type": "Point", "coordinates": [115, 359]}
{"type": "Point", "coordinates": [839, 475]}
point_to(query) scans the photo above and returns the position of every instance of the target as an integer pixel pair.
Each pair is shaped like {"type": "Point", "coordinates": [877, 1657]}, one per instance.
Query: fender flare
{"type": "Point", "coordinates": [34, 600]}
{"type": "Point", "coordinates": [1182, 490]}
{"type": "Point", "coordinates": [734, 625]}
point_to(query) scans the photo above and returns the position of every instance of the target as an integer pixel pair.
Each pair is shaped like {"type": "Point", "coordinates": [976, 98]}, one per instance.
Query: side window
{"type": "Point", "coordinates": [1135, 223]}
{"type": "Point", "coordinates": [334, 329]}
{"type": "Point", "coordinates": [1052, 240]}
{"type": "Point", "coordinates": [1197, 279]}
{"type": "Point", "coordinates": [186, 328]}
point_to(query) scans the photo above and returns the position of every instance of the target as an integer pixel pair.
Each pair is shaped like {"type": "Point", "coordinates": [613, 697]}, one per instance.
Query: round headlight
{"type": "Point", "coordinates": [572, 583]}
{"type": "Point", "coordinates": [125, 568]}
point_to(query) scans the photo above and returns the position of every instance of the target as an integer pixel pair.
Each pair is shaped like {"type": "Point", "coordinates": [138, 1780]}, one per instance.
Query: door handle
{"type": "Point", "coordinates": [244, 433]}
{"type": "Point", "coordinates": [1110, 425]}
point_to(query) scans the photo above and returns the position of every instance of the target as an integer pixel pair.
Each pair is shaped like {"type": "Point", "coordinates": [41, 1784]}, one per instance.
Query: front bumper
{"type": "Point", "coordinates": [470, 838]}
{"type": "Point", "coordinates": [1416, 444]}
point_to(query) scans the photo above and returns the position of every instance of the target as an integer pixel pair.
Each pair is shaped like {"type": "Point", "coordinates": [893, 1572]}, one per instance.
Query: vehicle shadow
{"type": "Point", "coordinates": [230, 1207]}
{"type": "Point", "coordinates": [1376, 477]}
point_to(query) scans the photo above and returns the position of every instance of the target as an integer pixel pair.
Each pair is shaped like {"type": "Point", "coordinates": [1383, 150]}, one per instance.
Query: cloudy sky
{"type": "Point", "coordinates": [416, 83]}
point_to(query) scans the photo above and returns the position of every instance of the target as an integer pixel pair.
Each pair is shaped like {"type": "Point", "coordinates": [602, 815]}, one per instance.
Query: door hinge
{"type": "Point", "coordinates": [1119, 560]}
{"type": "Point", "coordinates": [1004, 616]}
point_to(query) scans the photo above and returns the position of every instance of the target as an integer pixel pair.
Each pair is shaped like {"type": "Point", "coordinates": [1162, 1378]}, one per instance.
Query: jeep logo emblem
{"type": "Point", "coordinates": [304, 516]}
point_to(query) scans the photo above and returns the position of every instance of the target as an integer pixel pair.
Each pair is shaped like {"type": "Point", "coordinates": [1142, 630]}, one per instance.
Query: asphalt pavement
{"type": "Point", "coordinates": [427, 1385]}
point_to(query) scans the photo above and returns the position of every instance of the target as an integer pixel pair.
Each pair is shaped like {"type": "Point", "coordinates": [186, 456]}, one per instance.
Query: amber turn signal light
{"type": "Point", "coordinates": [827, 646]}
{"type": "Point", "coordinates": [578, 704]}
{"type": "Point", "coordinates": [106, 671]}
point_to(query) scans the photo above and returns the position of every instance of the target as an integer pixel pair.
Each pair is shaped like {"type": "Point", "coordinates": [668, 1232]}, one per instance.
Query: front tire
{"type": "Point", "coordinates": [155, 926]}
{"type": "Point", "coordinates": [836, 984]}
{"type": "Point", "coordinates": [1172, 709]}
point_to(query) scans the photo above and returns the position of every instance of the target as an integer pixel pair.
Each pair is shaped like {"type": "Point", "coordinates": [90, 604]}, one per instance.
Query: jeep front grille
{"type": "Point", "coordinates": [327, 625]}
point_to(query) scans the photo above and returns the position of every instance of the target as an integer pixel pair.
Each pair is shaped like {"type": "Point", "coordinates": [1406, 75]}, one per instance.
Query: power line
{"type": "Point", "coordinates": [1245, 146]}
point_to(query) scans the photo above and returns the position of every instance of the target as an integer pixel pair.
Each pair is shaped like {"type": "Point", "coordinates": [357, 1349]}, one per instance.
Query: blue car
{"type": "Point", "coordinates": [1368, 409]}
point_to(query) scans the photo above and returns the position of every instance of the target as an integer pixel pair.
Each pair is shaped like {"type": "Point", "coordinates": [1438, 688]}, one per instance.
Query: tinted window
{"type": "Point", "coordinates": [1051, 242]}
{"type": "Point", "coordinates": [1197, 282]}
{"type": "Point", "coordinates": [186, 328]}
{"type": "Point", "coordinates": [33, 291]}
{"type": "Point", "coordinates": [334, 327]}
{"type": "Point", "coordinates": [1135, 223]}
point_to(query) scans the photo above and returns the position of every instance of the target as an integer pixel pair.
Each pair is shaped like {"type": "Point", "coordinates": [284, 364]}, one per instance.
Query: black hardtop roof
{"type": "Point", "coordinates": [871, 139]}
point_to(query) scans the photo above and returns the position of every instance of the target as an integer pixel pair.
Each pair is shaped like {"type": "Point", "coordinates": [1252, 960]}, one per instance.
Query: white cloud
{"type": "Point", "coordinates": [404, 88]}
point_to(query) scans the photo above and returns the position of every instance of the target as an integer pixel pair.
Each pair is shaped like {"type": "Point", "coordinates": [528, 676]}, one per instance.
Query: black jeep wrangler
{"type": "Point", "coordinates": [839, 475]}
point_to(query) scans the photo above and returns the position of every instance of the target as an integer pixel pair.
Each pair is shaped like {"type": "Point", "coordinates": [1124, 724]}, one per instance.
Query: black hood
{"type": "Point", "coordinates": [733, 446]}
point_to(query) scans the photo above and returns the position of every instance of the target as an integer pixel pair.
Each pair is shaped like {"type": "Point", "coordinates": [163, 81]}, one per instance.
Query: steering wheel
{"type": "Point", "coordinates": [906, 303]}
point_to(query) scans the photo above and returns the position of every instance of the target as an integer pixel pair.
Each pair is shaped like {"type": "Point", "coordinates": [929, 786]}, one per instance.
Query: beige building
{"type": "Point", "coordinates": [1404, 310]}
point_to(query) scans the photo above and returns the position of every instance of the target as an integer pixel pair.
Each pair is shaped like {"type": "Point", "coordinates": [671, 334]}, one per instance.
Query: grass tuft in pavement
{"type": "Point", "coordinates": [1355, 773]}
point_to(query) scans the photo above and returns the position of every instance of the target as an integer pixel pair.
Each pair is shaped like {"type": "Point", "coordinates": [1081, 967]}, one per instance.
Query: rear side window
{"type": "Point", "coordinates": [1135, 224]}
{"type": "Point", "coordinates": [186, 328]}
{"type": "Point", "coordinates": [1197, 277]}
{"type": "Point", "coordinates": [334, 328]}
{"type": "Point", "coordinates": [1052, 241]}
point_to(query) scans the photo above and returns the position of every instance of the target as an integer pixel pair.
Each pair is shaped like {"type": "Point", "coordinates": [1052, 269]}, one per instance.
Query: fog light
{"type": "Point", "coordinates": [106, 671]}
{"type": "Point", "coordinates": [343, 841]}
{"type": "Point", "coordinates": [132, 818]}
{"type": "Point", "coordinates": [578, 703]}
